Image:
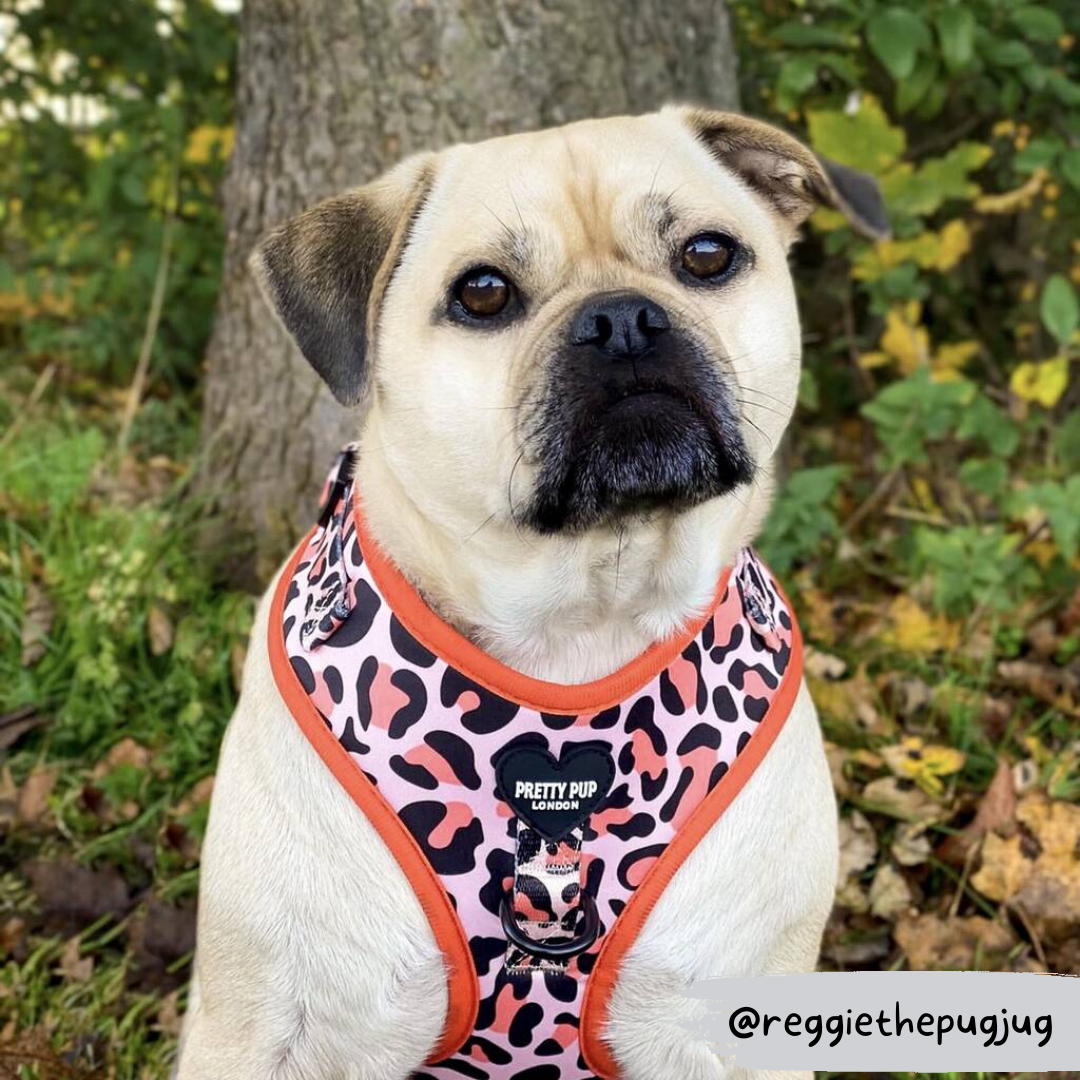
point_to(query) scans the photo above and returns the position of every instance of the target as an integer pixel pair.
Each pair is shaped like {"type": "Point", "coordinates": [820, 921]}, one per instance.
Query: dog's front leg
{"type": "Point", "coordinates": [315, 960]}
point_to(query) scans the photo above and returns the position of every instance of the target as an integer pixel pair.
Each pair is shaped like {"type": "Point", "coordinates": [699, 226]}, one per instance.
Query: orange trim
{"type": "Point", "coordinates": [569, 699]}
{"type": "Point", "coordinates": [464, 988]}
{"type": "Point", "coordinates": [624, 932]}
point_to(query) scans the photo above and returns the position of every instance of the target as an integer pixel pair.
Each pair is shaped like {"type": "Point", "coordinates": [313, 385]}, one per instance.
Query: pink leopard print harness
{"type": "Point", "coordinates": [538, 823]}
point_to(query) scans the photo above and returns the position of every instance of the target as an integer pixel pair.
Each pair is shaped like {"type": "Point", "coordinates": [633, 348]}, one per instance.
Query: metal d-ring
{"type": "Point", "coordinates": [564, 950]}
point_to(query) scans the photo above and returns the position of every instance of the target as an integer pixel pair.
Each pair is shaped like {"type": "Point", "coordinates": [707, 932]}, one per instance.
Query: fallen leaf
{"type": "Point", "coordinates": [890, 893]}
{"type": "Point", "coordinates": [159, 630]}
{"type": "Point", "coordinates": [900, 799]}
{"type": "Point", "coordinates": [12, 935]}
{"type": "Point", "coordinates": [858, 845]}
{"type": "Point", "coordinates": [237, 659]}
{"type": "Point", "coordinates": [913, 630]}
{"type": "Point", "coordinates": [15, 724]}
{"type": "Point", "coordinates": [1043, 637]}
{"type": "Point", "coordinates": [998, 804]}
{"type": "Point", "coordinates": [822, 665]}
{"type": "Point", "coordinates": [954, 944]}
{"type": "Point", "coordinates": [31, 1054]}
{"type": "Point", "coordinates": [125, 752]}
{"type": "Point", "coordinates": [36, 624]}
{"type": "Point", "coordinates": [32, 804]}
{"type": "Point", "coordinates": [170, 1020]}
{"type": "Point", "coordinates": [1025, 776]}
{"type": "Point", "coordinates": [73, 965]}
{"type": "Point", "coordinates": [912, 759]}
{"type": "Point", "coordinates": [1053, 685]}
{"type": "Point", "coordinates": [69, 891]}
{"type": "Point", "coordinates": [1038, 868]}
{"type": "Point", "coordinates": [911, 845]}
{"type": "Point", "coordinates": [200, 793]}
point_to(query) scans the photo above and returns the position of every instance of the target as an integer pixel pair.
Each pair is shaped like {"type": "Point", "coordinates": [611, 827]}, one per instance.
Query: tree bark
{"type": "Point", "coordinates": [331, 93]}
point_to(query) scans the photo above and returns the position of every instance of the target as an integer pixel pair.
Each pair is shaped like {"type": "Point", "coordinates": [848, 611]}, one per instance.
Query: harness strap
{"type": "Point", "coordinates": [547, 900]}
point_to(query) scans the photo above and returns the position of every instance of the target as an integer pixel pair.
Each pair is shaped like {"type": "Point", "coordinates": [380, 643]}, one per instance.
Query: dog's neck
{"type": "Point", "coordinates": [567, 610]}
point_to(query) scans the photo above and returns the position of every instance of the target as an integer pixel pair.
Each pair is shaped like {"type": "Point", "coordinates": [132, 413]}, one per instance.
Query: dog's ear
{"type": "Point", "coordinates": [788, 174]}
{"type": "Point", "coordinates": [324, 271]}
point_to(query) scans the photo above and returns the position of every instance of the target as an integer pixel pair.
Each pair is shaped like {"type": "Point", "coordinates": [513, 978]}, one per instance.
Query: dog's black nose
{"type": "Point", "coordinates": [620, 325]}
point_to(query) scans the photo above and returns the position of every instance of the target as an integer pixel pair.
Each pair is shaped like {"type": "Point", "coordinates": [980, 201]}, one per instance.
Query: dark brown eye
{"type": "Point", "coordinates": [483, 293]}
{"type": "Point", "coordinates": [708, 255]}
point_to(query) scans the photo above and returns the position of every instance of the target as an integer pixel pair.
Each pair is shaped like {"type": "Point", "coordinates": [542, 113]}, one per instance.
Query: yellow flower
{"type": "Point", "coordinates": [1043, 382]}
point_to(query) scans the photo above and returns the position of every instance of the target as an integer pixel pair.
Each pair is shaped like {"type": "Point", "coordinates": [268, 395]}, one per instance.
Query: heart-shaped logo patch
{"type": "Point", "coordinates": [554, 796]}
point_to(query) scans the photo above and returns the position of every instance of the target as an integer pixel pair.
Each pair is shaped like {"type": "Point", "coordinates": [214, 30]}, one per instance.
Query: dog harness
{"type": "Point", "coordinates": [538, 823]}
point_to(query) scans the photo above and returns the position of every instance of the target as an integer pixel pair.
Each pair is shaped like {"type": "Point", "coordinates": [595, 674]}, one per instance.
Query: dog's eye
{"type": "Point", "coordinates": [483, 292]}
{"type": "Point", "coordinates": [709, 255]}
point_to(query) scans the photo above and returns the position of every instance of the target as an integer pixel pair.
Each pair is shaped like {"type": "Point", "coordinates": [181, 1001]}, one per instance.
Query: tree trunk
{"type": "Point", "coordinates": [331, 93]}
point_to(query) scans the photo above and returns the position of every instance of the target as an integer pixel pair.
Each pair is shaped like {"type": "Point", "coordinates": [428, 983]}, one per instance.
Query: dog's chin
{"type": "Point", "coordinates": [648, 452]}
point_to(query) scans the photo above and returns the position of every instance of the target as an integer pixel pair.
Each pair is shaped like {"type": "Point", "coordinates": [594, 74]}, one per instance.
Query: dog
{"type": "Point", "coordinates": [575, 352]}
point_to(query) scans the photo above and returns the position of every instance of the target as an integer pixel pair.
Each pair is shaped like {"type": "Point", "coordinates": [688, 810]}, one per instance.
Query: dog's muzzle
{"type": "Point", "coordinates": [635, 416]}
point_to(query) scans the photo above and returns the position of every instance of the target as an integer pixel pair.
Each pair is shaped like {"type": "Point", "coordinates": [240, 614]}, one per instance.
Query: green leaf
{"type": "Point", "coordinates": [982, 419]}
{"type": "Point", "coordinates": [1004, 53]}
{"type": "Point", "coordinates": [911, 91]}
{"type": "Point", "coordinates": [863, 139]}
{"type": "Point", "coordinates": [1061, 505]}
{"type": "Point", "coordinates": [797, 75]}
{"type": "Point", "coordinates": [1037, 22]}
{"type": "Point", "coordinates": [1067, 440]}
{"type": "Point", "coordinates": [956, 32]}
{"type": "Point", "coordinates": [918, 192]}
{"type": "Point", "coordinates": [985, 475]}
{"type": "Point", "coordinates": [914, 411]}
{"type": "Point", "coordinates": [1069, 164]}
{"type": "Point", "coordinates": [1038, 154]}
{"type": "Point", "coordinates": [896, 36]}
{"type": "Point", "coordinates": [809, 35]}
{"type": "Point", "coordinates": [1059, 309]}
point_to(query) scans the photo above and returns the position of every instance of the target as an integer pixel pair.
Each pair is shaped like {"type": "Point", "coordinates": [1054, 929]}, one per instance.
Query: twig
{"type": "Point", "coordinates": [153, 318]}
{"type": "Point", "coordinates": [878, 495]}
{"type": "Point", "coordinates": [39, 388]}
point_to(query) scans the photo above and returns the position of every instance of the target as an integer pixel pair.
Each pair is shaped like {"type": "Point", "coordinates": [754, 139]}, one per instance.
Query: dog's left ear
{"type": "Point", "coordinates": [788, 174]}
{"type": "Point", "coordinates": [324, 271]}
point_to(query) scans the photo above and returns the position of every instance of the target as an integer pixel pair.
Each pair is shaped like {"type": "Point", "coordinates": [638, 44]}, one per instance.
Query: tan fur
{"type": "Point", "coordinates": [315, 961]}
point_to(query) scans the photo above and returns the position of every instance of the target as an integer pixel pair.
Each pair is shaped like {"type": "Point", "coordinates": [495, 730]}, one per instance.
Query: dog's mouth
{"type": "Point", "coordinates": [633, 442]}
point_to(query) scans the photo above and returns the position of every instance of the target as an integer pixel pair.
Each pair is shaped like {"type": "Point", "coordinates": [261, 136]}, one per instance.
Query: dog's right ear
{"type": "Point", "coordinates": [325, 271]}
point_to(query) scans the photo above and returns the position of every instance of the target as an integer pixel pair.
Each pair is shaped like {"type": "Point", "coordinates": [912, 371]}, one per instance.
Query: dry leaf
{"type": "Point", "coordinates": [1042, 877]}
{"type": "Point", "coordinates": [32, 804]}
{"type": "Point", "coordinates": [237, 658]}
{"type": "Point", "coordinates": [911, 845]}
{"type": "Point", "coordinates": [36, 624]}
{"type": "Point", "coordinates": [837, 758]}
{"type": "Point", "coordinates": [159, 630]}
{"type": "Point", "coordinates": [956, 944]}
{"type": "Point", "coordinates": [858, 845]}
{"type": "Point", "coordinates": [199, 794]}
{"type": "Point", "coordinates": [900, 799]}
{"type": "Point", "coordinates": [73, 965]}
{"type": "Point", "coordinates": [998, 804]}
{"type": "Point", "coordinates": [126, 752]}
{"type": "Point", "coordinates": [914, 630]}
{"type": "Point", "coordinates": [170, 1019]}
{"type": "Point", "coordinates": [890, 893]}
{"type": "Point", "coordinates": [1025, 776]}
{"type": "Point", "coordinates": [15, 724]}
{"type": "Point", "coordinates": [822, 665]}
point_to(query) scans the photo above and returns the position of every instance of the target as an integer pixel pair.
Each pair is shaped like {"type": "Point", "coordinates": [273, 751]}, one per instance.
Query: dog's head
{"type": "Point", "coordinates": [567, 328]}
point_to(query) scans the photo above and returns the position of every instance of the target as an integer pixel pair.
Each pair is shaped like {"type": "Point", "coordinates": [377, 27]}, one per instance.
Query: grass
{"type": "Point", "coordinates": [136, 679]}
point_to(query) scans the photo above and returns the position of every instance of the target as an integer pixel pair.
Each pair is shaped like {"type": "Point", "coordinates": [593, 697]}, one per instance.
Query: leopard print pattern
{"type": "Point", "coordinates": [427, 735]}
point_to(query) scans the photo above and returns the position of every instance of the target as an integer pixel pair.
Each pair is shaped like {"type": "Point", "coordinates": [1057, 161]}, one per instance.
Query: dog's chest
{"type": "Point", "coordinates": [532, 819]}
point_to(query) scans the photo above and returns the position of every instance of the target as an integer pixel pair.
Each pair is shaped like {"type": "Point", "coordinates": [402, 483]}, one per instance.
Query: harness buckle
{"type": "Point", "coordinates": [563, 950]}
{"type": "Point", "coordinates": [337, 483]}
